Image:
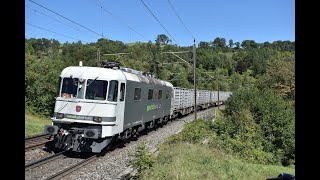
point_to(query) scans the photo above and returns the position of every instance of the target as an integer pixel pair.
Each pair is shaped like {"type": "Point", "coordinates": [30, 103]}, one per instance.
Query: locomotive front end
{"type": "Point", "coordinates": [86, 111]}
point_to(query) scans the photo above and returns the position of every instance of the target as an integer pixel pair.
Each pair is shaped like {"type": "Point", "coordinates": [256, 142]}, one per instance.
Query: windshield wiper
{"type": "Point", "coordinates": [92, 81]}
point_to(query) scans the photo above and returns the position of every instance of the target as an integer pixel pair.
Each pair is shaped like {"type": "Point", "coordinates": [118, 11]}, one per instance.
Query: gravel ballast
{"type": "Point", "coordinates": [114, 162]}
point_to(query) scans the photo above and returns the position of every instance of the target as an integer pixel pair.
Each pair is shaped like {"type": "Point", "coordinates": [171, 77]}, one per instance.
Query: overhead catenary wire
{"type": "Point", "coordinates": [54, 32]}
{"type": "Point", "coordinates": [158, 21]}
{"type": "Point", "coordinates": [118, 19]}
{"type": "Point", "coordinates": [181, 20]}
{"type": "Point", "coordinates": [67, 19]}
{"type": "Point", "coordinates": [52, 18]}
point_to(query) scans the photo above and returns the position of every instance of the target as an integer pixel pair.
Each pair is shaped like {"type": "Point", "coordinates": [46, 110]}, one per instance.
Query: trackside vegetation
{"type": "Point", "coordinates": [190, 161]}
{"type": "Point", "coordinates": [253, 138]}
{"type": "Point", "coordinates": [34, 124]}
{"type": "Point", "coordinates": [200, 151]}
{"type": "Point", "coordinates": [232, 66]}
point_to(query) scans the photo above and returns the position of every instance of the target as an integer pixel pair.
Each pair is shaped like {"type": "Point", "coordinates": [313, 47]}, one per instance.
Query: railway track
{"type": "Point", "coordinates": [36, 141]}
{"type": "Point", "coordinates": [44, 160]}
{"type": "Point", "coordinates": [66, 153]}
{"type": "Point", "coordinates": [72, 168]}
{"type": "Point", "coordinates": [88, 159]}
{"type": "Point", "coordinates": [85, 160]}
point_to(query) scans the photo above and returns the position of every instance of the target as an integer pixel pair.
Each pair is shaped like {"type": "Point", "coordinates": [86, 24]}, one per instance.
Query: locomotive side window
{"type": "Point", "coordinates": [69, 87]}
{"type": "Point", "coordinates": [122, 90]}
{"type": "Point", "coordinates": [160, 94]}
{"type": "Point", "coordinates": [137, 93]}
{"type": "Point", "coordinates": [113, 91]}
{"type": "Point", "coordinates": [150, 94]}
{"type": "Point", "coordinates": [155, 94]}
{"type": "Point", "coordinates": [96, 89]}
{"type": "Point", "coordinates": [167, 94]}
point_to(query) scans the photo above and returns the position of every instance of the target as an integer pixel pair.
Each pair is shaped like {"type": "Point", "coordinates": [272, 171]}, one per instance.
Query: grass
{"type": "Point", "coordinates": [34, 124]}
{"type": "Point", "coordinates": [191, 161]}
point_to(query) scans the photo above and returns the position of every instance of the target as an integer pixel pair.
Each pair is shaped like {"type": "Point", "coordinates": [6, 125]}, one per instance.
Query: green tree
{"type": "Point", "coordinates": [230, 43]}
{"type": "Point", "coordinates": [249, 44]}
{"type": "Point", "coordinates": [272, 114]}
{"type": "Point", "coordinates": [41, 80]}
{"type": "Point", "coordinates": [237, 45]}
{"type": "Point", "coordinates": [204, 44]}
{"type": "Point", "coordinates": [219, 42]}
{"type": "Point", "coordinates": [163, 39]}
{"type": "Point", "coordinates": [280, 75]}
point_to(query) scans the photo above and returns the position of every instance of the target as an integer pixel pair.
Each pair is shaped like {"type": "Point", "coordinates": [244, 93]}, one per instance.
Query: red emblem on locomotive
{"type": "Point", "coordinates": [78, 108]}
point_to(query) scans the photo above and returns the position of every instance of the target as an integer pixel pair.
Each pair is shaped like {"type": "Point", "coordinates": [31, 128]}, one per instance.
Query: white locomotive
{"type": "Point", "coordinates": [96, 105]}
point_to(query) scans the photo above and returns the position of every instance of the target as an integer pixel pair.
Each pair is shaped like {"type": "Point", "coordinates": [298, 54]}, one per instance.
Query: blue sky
{"type": "Point", "coordinates": [259, 20]}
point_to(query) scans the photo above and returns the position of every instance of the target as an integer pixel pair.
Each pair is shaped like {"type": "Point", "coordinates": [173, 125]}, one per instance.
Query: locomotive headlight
{"type": "Point", "coordinates": [91, 133]}
{"type": "Point", "coordinates": [59, 115]}
{"type": "Point", "coordinates": [97, 119]}
{"type": "Point", "coordinates": [48, 129]}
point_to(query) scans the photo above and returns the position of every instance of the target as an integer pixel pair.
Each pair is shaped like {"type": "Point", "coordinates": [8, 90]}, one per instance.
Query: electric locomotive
{"type": "Point", "coordinates": [97, 105]}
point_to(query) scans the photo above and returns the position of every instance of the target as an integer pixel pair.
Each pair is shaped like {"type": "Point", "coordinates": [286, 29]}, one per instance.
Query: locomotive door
{"type": "Point", "coordinates": [121, 102]}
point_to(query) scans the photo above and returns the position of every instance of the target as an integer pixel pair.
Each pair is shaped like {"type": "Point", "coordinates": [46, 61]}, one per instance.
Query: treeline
{"type": "Point", "coordinates": [228, 67]}
{"type": "Point", "coordinates": [258, 122]}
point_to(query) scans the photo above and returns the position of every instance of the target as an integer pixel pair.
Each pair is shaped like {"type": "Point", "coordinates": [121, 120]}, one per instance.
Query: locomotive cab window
{"type": "Point", "coordinates": [137, 94]}
{"type": "Point", "coordinates": [69, 87]}
{"type": "Point", "coordinates": [113, 91]}
{"type": "Point", "coordinates": [96, 89]}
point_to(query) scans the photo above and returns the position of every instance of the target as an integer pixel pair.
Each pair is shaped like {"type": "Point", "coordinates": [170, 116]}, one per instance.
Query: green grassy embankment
{"type": "Point", "coordinates": [34, 124]}
{"type": "Point", "coordinates": [194, 161]}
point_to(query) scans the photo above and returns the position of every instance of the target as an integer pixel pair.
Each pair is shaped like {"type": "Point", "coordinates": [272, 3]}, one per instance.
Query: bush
{"type": "Point", "coordinates": [194, 132]}
{"type": "Point", "coordinates": [263, 117]}
{"type": "Point", "coordinates": [143, 159]}
{"type": "Point", "coordinates": [41, 83]}
{"type": "Point", "coordinates": [257, 126]}
{"type": "Point", "coordinates": [240, 135]}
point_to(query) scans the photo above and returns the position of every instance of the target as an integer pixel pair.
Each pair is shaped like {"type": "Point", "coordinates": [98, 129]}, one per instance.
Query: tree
{"type": "Point", "coordinates": [280, 75]}
{"type": "Point", "coordinates": [203, 44]}
{"type": "Point", "coordinates": [266, 44]}
{"type": "Point", "coordinates": [249, 44]}
{"type": "Point", "coordinates": [230, 43]}
{"type": "Point", "coordinates": [163, 39]}
{"type": "Point", "coordinates": [271, 115]}
{"type": "Point", "coordinates": [237, 45]}
{"type": "Point", "coordinates": [219, 42]}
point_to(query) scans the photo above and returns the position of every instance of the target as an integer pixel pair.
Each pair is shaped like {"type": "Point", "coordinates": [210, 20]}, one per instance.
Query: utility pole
{"type": "Point", "coordinates": [194, 79]}
{"type": "Point", "coordinates": [194, 72]}
{"type": "Point", "coordinates": [218, 92]}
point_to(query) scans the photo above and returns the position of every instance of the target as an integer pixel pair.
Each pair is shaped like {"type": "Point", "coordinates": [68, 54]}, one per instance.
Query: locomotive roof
{"type": "Point", "coordinates": [109, 74]}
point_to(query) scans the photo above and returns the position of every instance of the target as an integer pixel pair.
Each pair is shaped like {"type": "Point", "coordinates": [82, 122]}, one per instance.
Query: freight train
{"type": "Point", "coordinates": [96, 105]}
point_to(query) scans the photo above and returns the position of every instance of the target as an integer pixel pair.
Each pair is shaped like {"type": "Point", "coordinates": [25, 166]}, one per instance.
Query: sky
{"type": "Point", "coordinates": [130, 21]}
